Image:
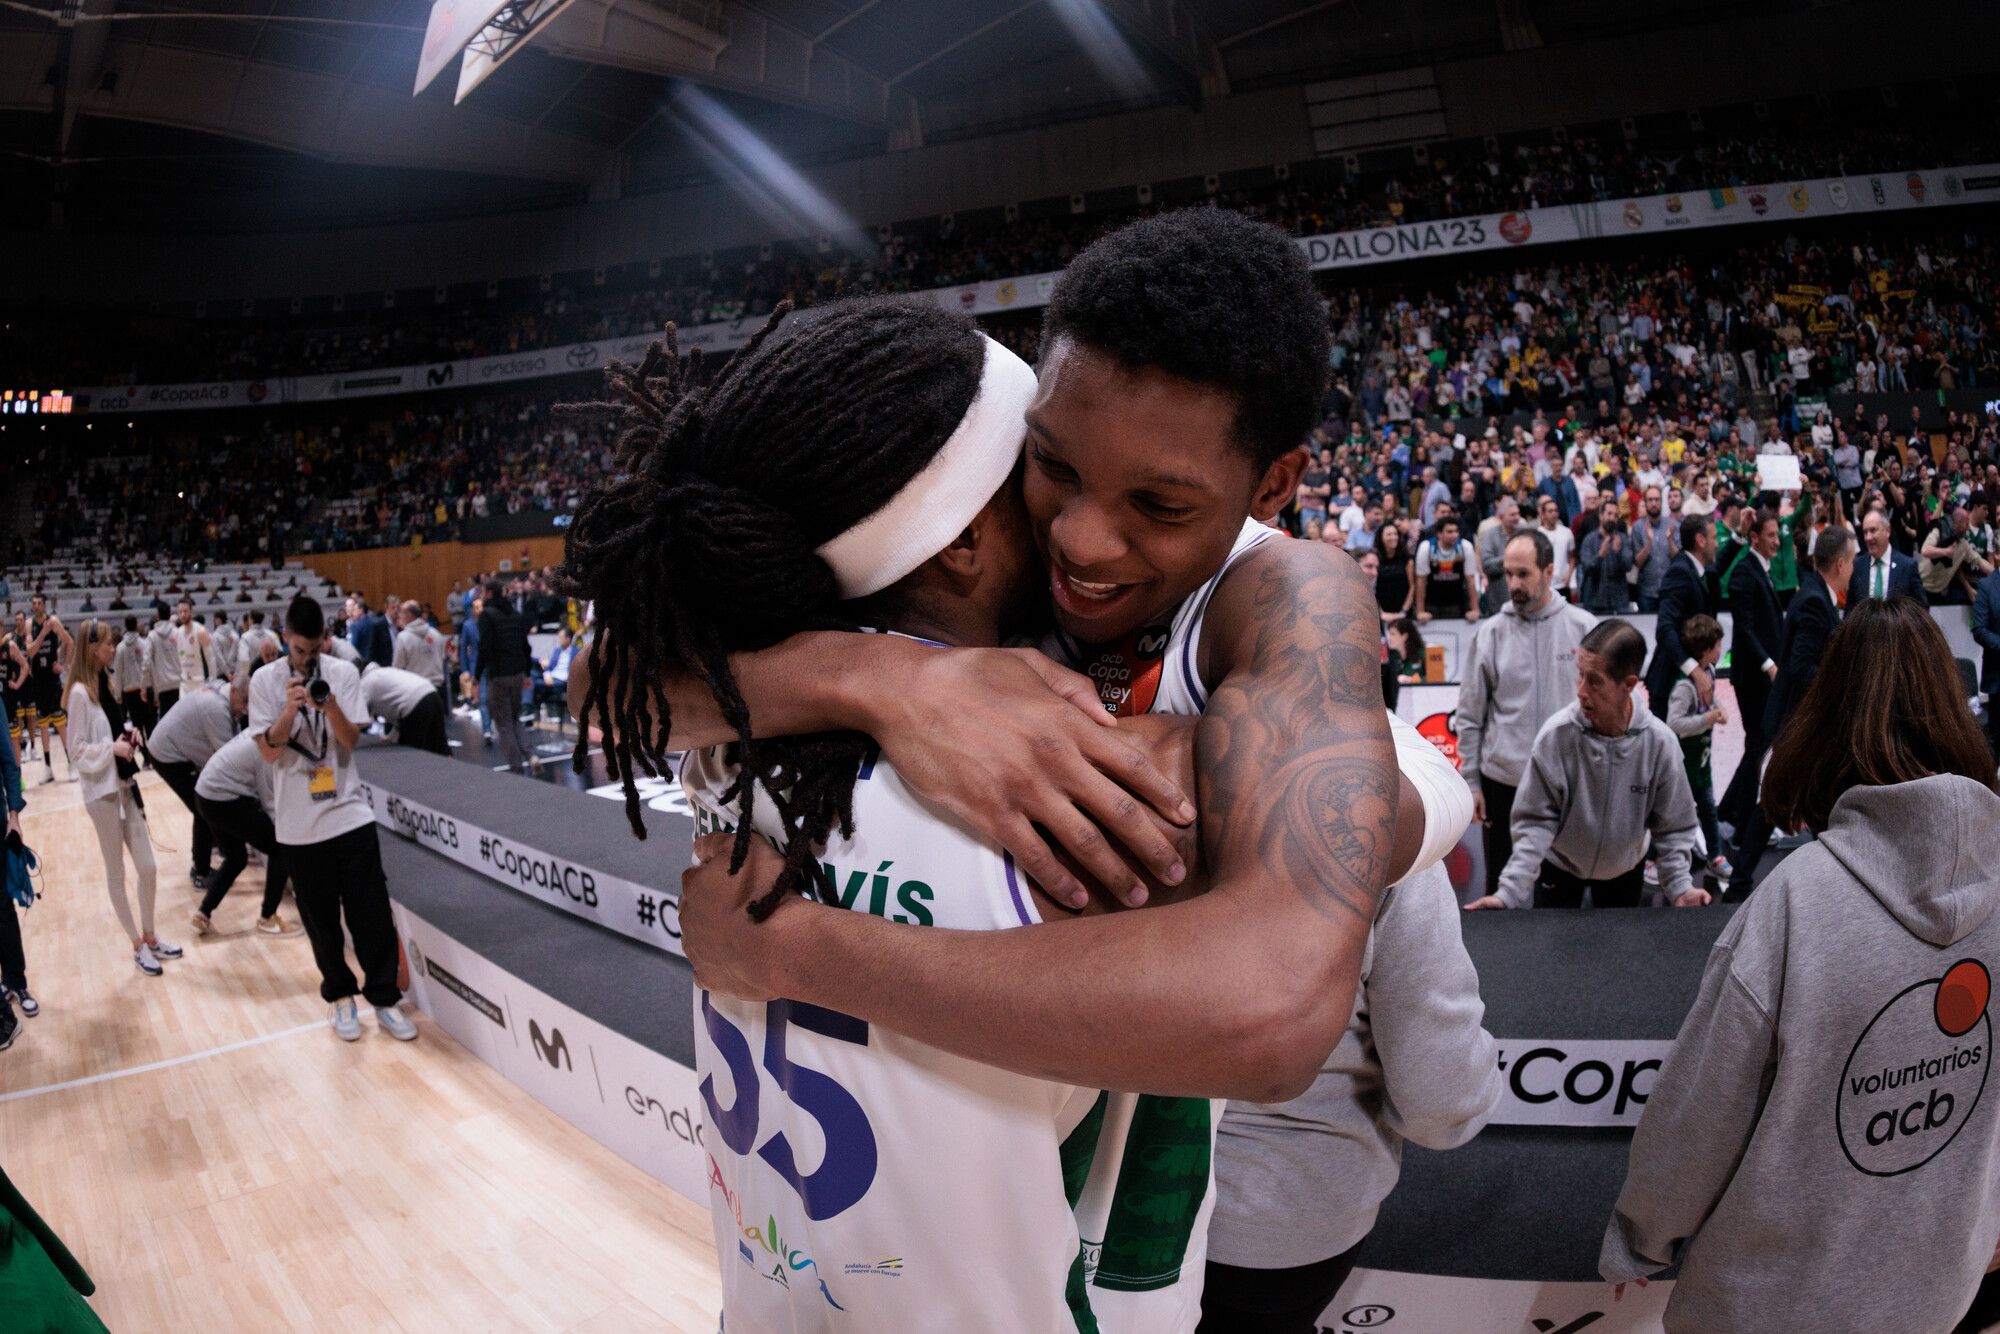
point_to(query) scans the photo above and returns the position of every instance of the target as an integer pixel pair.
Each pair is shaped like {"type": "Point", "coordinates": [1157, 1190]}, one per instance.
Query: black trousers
{"type": "Point", "coordinates": [140, 710]}
{"type": "Point", "coordinates": [164, 700]}
{"type": "Point", "coordinates": [180, 777]}
{"type": "Point", "coordinates": [1498, 835]}
{"type": "Point", "coordinates": [13, 962]}
{"type": "Point", "coordinates": [342, 876]}
{"type": "Point", "coordinates": [422, 728]}
{"type": "Point", "coordinates": [1557, 888]}
{"type": "Point", "coordinates": [1271, 1301]}
{"type": "Point", "coordinates": [1740, 797]}
{"type": "Point", "coordinates": [237, 823]}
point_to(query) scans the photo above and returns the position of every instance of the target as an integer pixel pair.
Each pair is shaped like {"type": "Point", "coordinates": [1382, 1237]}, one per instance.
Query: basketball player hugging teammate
{"type": "Point", "coordinates": [928, 1143]}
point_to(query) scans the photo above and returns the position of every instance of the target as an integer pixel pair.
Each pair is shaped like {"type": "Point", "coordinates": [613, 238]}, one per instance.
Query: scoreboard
{"type": "Point", "coordinates": [39, 402]}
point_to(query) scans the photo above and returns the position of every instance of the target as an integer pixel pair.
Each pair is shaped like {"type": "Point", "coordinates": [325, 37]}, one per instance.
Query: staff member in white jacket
{"type": "Point", "coordinates": [407, 703]}
{"type": "Point", "coordinates": [306, 711]}
{"type": "Point", "coordinates": [163, 663]}
{"type": "Point", "coordinates": [236, 791]}
{"type": "Point", "coordinates": [1298, 1184]}
{"type": "Point", "coordinates": [420, 649]}
{"type": "Point", "coordinates": [103, 746]}
{"type": "Point", "coordinates": [180, 743]}
{"type": "Point", "coordinates": [132, 676]}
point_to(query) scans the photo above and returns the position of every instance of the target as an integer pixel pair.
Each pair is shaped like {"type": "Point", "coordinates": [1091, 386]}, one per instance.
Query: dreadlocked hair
{"type": "Point", "coordinates": [706, 543]}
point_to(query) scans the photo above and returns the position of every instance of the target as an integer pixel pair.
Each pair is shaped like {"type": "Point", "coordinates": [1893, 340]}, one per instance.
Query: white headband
{"type": "Point", "coordinates": [930, 511]}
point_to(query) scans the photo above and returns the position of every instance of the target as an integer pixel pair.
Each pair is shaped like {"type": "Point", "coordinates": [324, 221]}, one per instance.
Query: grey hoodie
{"type": "Point", "coordinates": [163, 657]}
{"type": "Point", "coordinates": [128, 665]}
{"type": "Point", "coordinates": [1818, 1152]}
{"type": "Point", "coordinates": [1301, 1181]}
{"type": "Point", "coordinates": [1588, 801]}
{"type": "Point", "coordinates": [1522, 669]}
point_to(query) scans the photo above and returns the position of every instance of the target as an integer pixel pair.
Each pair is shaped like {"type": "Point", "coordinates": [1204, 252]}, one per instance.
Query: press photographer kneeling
{"type": "Point", "coordinates": [304, 710]}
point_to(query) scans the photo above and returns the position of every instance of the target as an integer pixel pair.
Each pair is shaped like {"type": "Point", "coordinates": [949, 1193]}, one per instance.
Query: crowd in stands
{"type": "Point", "coordinates": [1457, 178]}
{"type": "Point", "coordinates": [1715, 352]}
{"type": "Point", "coordinates": [402, 472]}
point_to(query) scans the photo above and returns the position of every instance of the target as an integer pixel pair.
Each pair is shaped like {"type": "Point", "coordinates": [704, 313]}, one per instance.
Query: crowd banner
{"type": "Point", "coordinates": [1723, 206]}
{"type": "Point", "coordinates": [647, 1108]}
{"type": "Point", "coordinates": [643, 912]}
{"type": "Point", "coordinates": [643, 1106]}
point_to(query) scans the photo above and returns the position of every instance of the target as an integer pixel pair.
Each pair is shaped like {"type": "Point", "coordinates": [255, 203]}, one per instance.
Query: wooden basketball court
{"type": "Point", "coordinates": [219, 1161]}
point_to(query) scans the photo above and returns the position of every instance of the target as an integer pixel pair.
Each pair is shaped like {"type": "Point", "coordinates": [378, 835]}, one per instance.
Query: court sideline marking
{"type": "Point", "coordinates": [161, 1065]}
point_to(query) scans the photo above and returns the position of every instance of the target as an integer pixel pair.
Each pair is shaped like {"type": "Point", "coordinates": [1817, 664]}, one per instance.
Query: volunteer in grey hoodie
{"type": "Point", "coordinates": [132, 678]}
{"type": "Point", "coordinates": [163, 660]}
{"type": "Point", "coordinates": [1602, 780]}
{"type": "Point", "coordinates": [1817, 1154]}
{"type": "Point", "coordinates": [1298, 1184]}
{"type": "Point", "coordinates": [1520, 673]}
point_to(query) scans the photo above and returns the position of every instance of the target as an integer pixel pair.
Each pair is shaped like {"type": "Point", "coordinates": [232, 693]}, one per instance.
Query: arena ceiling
{"type": "Point", "coordinates": [253, 113]}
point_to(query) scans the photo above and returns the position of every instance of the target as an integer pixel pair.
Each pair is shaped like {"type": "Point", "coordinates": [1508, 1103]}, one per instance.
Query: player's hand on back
{"type": "Point", "coordinates": [731, 953]}
{"type": "Point", "coordinates": [1020, 750]}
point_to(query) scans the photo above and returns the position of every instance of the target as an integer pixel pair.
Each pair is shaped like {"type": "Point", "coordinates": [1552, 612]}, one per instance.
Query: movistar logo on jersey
{"type": "Point", "coordinates": [872, 893]}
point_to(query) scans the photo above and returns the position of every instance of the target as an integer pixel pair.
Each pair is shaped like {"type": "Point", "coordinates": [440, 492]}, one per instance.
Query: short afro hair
{"type": "Point", "coordinates": [1209, 296]}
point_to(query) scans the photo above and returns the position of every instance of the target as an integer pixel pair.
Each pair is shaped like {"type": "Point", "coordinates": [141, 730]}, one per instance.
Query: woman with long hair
{"type": "Point", "coordinates": [1406, 650]}
{"type": "Point", "coordinates": [102, 744]}
{"type": "Point", "coordinates": [1820, 1127]}
{"type": "Point", "coordinates": [1393, 585]}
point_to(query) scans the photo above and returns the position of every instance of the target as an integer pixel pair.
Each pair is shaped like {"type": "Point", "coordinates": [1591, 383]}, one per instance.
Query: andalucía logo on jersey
{"type": "Point", "coordinates": [1916, 1073]}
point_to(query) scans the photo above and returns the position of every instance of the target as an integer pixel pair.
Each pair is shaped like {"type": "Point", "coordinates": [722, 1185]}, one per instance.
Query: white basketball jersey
{"type": "Point", "coordinates": [863, 1181]}
{"type": "Point", "coordinates": [1157, 1166]}
{"type": "Point", "coordinates": [1146, 1202]}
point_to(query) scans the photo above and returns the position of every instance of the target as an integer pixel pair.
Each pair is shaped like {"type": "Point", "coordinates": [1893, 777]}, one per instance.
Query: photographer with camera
{"type": "Point", "coordinates": [306, 710]}
{"type": "Point", "coordinates": [104, 745]}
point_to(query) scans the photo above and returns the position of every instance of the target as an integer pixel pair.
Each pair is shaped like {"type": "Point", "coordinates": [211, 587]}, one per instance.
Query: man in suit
{"type": "Point", "coordinates": [1880, 571]}
{"type": "Point", "coordinates": [1986, 630]}
{"type": "Point", "coordinates": [1683, 593]}
{"type": "Point", "coordinates": [1809, 624]}
{"type": "Point", "coordinates": [1753, 661]}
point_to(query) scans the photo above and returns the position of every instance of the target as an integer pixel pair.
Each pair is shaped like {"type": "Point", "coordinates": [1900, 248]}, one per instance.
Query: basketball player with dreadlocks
{"type": "Point", "coordinates": [920, 421]}
{"type": "Point", "coordinates": [1182, 362]}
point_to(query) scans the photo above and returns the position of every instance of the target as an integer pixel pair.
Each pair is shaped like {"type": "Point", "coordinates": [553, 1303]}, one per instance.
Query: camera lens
{"type": "Point", "coordinates": [317, 690]}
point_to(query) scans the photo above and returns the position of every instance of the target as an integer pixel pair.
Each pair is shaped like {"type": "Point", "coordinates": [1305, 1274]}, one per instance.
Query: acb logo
{"type": "Point", "coordinates": [1916, 1072]}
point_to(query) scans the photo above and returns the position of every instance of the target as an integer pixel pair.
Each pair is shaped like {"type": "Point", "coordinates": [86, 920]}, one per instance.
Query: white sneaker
{"type": "Point", "coordinates": [143, 960]}
{"type": "Point", "coordinates": [163, 950]}
{"type": "Point", "coordinates": [276, 925]}
{"type": "Point", "coordinates": [395, 1023]}
{"type": "Point", "coordinates": [346, 1021]}
{"type": "Point", "coordinates": [200, 922]}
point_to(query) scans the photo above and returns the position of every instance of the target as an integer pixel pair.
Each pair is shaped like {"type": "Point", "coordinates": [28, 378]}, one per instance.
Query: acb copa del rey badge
{"type": "Point", "coordinates": [1127, 675]}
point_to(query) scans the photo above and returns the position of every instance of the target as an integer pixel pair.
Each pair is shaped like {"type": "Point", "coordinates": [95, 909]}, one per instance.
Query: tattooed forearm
{"type": "Point", "coordinates": [1299, 771]}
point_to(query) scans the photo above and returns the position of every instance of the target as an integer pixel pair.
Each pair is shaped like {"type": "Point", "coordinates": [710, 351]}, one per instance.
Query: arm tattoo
{"type": "Point", "coordinates": [1298, 768]}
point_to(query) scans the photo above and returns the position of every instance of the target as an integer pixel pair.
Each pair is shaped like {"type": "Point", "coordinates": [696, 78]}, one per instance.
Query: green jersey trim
{"type": "Point", "coordinates": [1162, 1182]}
{"type": "Point", "coordinates": [1079, 1147]}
